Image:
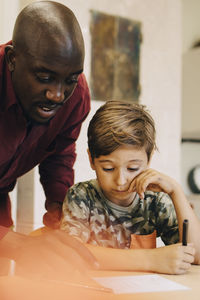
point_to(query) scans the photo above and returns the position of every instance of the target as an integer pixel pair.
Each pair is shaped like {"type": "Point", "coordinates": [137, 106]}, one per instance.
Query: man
{"type": "Point", "coordinates": [44, 99]}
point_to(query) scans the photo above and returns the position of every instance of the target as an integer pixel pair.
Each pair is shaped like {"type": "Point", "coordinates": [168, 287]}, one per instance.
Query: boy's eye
{"type": "Point", "coordinates": [133, 169]}
{"type": "Point", "coordinates": [108, 169]}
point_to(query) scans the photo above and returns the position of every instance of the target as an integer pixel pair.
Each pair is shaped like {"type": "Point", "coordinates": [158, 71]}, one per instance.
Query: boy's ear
{"type": "Point", "coordinates": [150, 158]}
{"type": "Point", "coordinates": [90, 159]}
{"type": "Point", "coordinates": [10, 57]}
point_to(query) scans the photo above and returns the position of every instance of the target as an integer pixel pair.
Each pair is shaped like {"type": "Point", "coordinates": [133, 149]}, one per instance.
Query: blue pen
{"type": "Point", "coordinates": [184, 233]}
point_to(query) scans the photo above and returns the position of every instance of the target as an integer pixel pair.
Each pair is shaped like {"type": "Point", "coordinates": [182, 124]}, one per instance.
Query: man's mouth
{"type": "Point", "coordinates": [48, 107]}
{"type": "Point", "coordinates": [47, 111]}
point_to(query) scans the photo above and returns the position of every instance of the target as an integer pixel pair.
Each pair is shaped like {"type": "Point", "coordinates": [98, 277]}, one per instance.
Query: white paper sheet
{"type": "Point", "coordinates": [139, 284]}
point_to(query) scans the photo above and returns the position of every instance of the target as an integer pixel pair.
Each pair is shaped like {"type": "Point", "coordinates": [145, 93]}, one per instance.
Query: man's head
{"type": "Point", "coordinates": [119, 123]}
{"type": "Point", "coordinates": [45, 59]}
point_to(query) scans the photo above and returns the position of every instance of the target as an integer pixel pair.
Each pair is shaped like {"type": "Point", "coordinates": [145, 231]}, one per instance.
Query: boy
{"type": "Point", "coordinates": [119, 214]}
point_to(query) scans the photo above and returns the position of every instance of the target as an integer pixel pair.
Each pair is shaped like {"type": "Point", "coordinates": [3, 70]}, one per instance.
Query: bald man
{"type": "Point", "coordinates": [44, 99]}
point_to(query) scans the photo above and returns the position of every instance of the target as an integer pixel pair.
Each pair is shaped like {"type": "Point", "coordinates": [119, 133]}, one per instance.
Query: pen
{"type": "Point", "coordinates": [85, 286]}
{"type": "Point", "coordinates": [185, 231]}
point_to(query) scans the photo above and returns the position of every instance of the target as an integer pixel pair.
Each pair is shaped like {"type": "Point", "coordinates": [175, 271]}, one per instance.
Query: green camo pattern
{"type": "Point", "coordinates": [88, 215]}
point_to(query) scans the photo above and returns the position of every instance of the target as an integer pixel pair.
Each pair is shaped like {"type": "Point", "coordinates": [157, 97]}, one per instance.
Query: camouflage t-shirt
{"type": "Point", "coordinates": [88, 215]}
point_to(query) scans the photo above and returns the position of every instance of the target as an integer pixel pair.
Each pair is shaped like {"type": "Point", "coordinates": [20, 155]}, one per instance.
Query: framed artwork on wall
{"type": "Point", "coordinates": [115, 57]}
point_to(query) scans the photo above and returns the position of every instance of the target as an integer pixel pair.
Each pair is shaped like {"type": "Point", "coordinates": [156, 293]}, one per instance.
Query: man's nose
{"type": "Point", "coordinates": [56, 93]}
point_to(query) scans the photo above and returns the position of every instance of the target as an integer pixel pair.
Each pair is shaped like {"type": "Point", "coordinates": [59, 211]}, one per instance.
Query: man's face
{"type": "Point", "coordinates": [44, 80]}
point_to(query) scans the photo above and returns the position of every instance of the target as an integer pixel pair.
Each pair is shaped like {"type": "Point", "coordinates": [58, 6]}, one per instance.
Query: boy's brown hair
{"type": "Point", "coordinates": [119, 123]}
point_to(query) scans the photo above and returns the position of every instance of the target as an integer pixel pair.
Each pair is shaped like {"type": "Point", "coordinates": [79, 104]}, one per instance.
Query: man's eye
{"type": "Point", "coordinates": [108, 169]}
{"type": "Point", "coordinates": [43, 79]}
{"type": "Point", "coordinates": [72, 80]}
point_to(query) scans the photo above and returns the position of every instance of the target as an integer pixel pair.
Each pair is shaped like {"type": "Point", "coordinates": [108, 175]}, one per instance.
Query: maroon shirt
{"type": "Point", "coordinates": [51, 145]}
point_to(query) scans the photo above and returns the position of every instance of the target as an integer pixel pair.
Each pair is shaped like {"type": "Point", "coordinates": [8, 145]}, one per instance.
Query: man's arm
{"type": "Point", "coordinates": [56, 171]}
{"type": "Point", "coordinates": [56, 175]}
{"type": "Point", "coordinates": [3, 231]}
{"type": "Point", "coordinates": [53, 253]}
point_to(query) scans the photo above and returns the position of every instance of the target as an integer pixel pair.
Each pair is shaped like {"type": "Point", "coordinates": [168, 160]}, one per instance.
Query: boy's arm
{"type": "Point", "coordinates": [153, 180]}
{"type": "Point", "coordinates": [184, 211]}
{"type": "Point", "coordinates": [173, 259]}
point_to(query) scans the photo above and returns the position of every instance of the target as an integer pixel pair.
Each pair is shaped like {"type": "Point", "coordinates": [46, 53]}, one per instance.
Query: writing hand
{"type": "Point", "coordinates": [173, 259]}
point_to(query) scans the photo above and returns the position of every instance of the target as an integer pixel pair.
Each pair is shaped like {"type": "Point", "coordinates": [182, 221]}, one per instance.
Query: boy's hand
{"type": "Point", "coordinates": [173, 259]}
{"type": "Point", "coordinates": [152, 180]}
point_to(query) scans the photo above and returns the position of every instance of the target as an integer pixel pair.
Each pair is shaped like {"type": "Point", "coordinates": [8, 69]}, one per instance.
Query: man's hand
{"type": "Point", "coordinates": [52, 217]}
{"type": "Point", "coordinates": [54, 254]}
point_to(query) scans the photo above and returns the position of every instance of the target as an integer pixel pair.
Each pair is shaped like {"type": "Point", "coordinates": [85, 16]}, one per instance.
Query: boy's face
{"type": "Point", "coordinates": [116, 171]}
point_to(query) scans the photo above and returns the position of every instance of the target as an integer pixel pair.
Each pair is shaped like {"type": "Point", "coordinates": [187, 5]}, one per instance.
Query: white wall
{"type": "Point", "coordinates": [8, 12]}
{"type": "Point", "coordinates": [191, 23]}
{"type": "Point", "coordinates": [191, 69]}
{"type": "Point", "coordinates": [190, 94]}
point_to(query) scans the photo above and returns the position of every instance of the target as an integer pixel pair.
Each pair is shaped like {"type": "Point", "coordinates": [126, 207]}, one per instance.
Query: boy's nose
{"type": "Point", "coordinates": [56, 94]}
{"type": "Point", "coordinates": [121, 179]}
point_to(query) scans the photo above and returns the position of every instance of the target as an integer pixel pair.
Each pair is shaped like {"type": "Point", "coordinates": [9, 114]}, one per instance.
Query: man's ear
{"type": "Point", "coordinates": [90, 159]}
{"type": "Point", "coordinates": [10, 57]}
